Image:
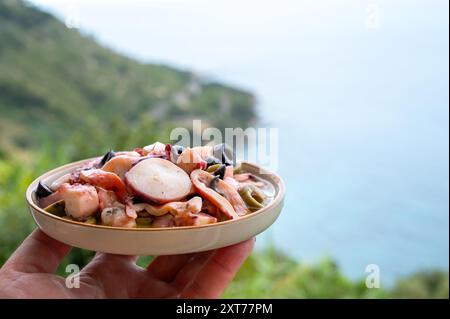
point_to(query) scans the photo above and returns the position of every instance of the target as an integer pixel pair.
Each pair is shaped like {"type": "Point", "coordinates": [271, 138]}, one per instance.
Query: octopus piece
{"type": "Point", "coordinates": [81, 201]}
{"type": "Point", "coordinates": [166, 220]}
{"type": "Point", "coordinates": [194, 206]}
{"type": "Point", "coordinates": [106, 198]}
{"type": "Point", "coordinates": [227, 201]}
{"type": "Point", "coordinates": [203, 151]}
{"type": "Point", "coordinates": [232, 182]}
{"type": "Point", "coordinates": [120, 164]}
{"type": "Point", "coordinates": [158, 180]}
{"type": "Point", "coordinates": [117, 217]}
{"type": "Point", "coordinates": [59, 181]}
{"type": "Point", "coordinates": [229, 172]}
{"type": "Point", "coordinates": [190, 219]}
{"type": "Point", "coordinates": [106, 180]}
{"type": "Point", "coordinates": [157, 148]}
{"type": "Point", "coordinates": [191, 159]}
{"type": "Point", "coordinates": [248, 178]}
{"type": "Point", "coordinates": [50, 199]}
{"type": "Point", "coordinates": [129, 208]}
{"type": "Point", "coordinates": [243, 177]}
{"type": "Point", "coordinates": [210, 209]}
{"type": "Point", "coordinates": [128, 153]}
{"type": "Point", "coordinates": [178, 213]}
{"type": "Point", "coordinates": [231, 194]}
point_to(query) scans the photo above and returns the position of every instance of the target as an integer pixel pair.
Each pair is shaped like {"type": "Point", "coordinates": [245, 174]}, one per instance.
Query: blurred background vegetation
{"type": "Point", "coordinates": [64, 97]}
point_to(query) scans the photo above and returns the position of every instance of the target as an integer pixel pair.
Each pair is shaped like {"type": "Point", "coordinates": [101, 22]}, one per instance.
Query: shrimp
{"type": "Point", "coordinates": [194, 205]}
{"type": "Point", "coordinates": [203, 182]}
{"type": "Point", "coordinates": [120, 164]}
{"type": "Point", "coordinates": [117, 217]}
{"type": "Point", "coordinates": [105, 180]}
{"type": "Point", "coordinates": [81, 201]}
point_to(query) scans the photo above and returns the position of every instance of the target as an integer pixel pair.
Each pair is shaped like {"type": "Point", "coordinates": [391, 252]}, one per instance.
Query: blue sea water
{"type": "Point", "coordinates": [359, 93]}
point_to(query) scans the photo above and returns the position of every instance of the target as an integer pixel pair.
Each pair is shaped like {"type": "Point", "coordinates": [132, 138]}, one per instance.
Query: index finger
{"type": "Point", "coordinates": [218, 271]}
{"type": "Point", "coordinates": [38, 253]}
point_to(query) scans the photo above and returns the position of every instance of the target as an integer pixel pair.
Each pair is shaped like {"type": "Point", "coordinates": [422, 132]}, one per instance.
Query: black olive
{"type": "Point", "coordinates": [224, 153]}
{"type": "Point", "coordinates": [178, 149]}
{"type": "Point", "coordinates": [226, 160]}
{"type": "Point", "coordinates": [43, 190]}
{"type": "Point", "coordinates": [211, 160]}
{"type": "Point", "coordinates": [220, 172]}
{"type": "Point", "coordinates": [107, 157]}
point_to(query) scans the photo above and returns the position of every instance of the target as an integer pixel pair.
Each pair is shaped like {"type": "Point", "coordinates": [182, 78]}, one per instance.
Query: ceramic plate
{"type": "Point", "coordinates": [155, 241]}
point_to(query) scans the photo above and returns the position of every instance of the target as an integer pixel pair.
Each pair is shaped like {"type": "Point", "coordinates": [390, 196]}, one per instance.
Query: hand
{"type": "Point", "coordinates": [29, 273]}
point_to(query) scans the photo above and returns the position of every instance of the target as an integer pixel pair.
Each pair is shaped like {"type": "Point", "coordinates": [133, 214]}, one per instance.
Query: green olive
{"type": "Point", "coordinates": [238, 169]}
{"type": "Point", "coordinates": [213, 168]}
{"type": "Point", "coordinates": [247, 194]}
{"type": "Point", "coordinates": [142, 222]}
{"type": "Point", "coordinates": [91, 220]}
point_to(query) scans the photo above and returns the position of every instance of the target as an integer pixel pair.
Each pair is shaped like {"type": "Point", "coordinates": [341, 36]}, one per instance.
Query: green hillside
{"type": "Point", "coordinates": [55, 82]}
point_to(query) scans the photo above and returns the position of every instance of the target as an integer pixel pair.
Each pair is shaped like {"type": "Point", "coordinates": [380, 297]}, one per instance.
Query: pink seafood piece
{"type": "Point", "coordinates": [120, 164]}
{"type": "Point", "coordinates": [157, 149]}
{"type": "Point", "coordinates": [232, 182]}
{"type": "Point", "coordinates": [158, 180]}
{"type": "Point", "coordinates": [243, 177]}
{"type": "Point", "coordinates": [105, 180]}
{"type": "Point", "coordinates": [117, 217]}
{"type": "Point", "coordinates": [128, 153]}
{"type": "Point", "coordinates": [190, 159]}
{"type": "Point", "coordinates": [202, 181]}
{"type": "Point", "coordinates": [166, 220]}
{"type": "Point", "coordinates": [194, 205]}
{"type": "Point", "coordinates": [44, 202]}
{"type": "Point", "coordinates": [106, 198]}
{"type": "Point", "coordinates": [229, 171]}
{"type": "Point", "coordinates": [210, 208]}
{"type": "Point", "coordinates": [203, 151]}
{"type": "Point", "coordinates": [81, 201]}
{"type": "Point", "coordinates": [194, 219]}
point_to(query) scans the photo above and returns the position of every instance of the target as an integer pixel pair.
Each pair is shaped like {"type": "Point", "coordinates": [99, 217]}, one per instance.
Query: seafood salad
{"type": "Point", "coordinates": [159, 185]}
